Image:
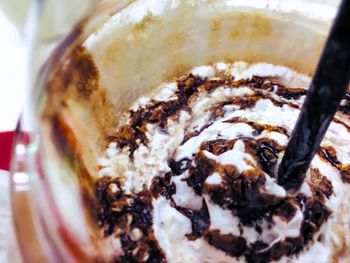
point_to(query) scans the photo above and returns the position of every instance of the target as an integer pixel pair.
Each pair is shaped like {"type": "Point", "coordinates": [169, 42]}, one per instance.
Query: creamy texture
{"type": "Point", "coordinates": [190, 175]}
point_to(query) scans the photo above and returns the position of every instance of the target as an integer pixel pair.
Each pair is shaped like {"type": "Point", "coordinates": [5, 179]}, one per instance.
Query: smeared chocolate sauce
{"type": "Point", "coordinates": [322, 183]}
{"type": "Point", "coordinates": [259, 128]}
{"type": "Point", "coordinates": [162, 186]}
{"type": "Point", "coordinates": [345, 105]}
{"type": "Point", "coordinates": [239, 192]}
{"type": "Point", "coordinates": [268, 155]}
{"type": "Point", "coordinates": [79, 72]}
{"type": "Point", "coordinates": [341, 122]}
{"type": "Point", "coordinates": [288, 93]}
{"type": "Point", "coordinates": [233, 245]}
{"type": "Point", "coordinates": [329, 154]}
{"type": "Point", "coordinates": [159, 112]}
{"type": "Point", "coordinates": [122, 214]}
{"type": "Point", "coordinates": [200, 220]}
{"type": "Point", "coordinates": [199, 172]}
{"type": "Point", "coordinates": [178, 167]}
{"type": "Point", "coordinates": [315, 214]}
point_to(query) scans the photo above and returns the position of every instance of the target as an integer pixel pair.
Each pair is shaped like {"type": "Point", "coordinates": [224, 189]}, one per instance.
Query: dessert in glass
{"type": "Point", "coordinates": [158, 128]}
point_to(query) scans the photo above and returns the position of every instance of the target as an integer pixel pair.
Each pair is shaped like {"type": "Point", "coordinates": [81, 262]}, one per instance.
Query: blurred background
{"type": "Point", "coordinates": [13, 61]}
{"type": "Point", "coordinates": [13, 53]}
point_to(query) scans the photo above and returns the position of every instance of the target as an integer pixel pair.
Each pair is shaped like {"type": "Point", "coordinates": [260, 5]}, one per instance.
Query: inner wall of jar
{"type": "Point", "coordinates": [140, 47]}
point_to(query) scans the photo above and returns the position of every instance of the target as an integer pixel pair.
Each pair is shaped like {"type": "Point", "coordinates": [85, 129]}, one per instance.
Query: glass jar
{"type": "Point", "coordinates": [152, 41]}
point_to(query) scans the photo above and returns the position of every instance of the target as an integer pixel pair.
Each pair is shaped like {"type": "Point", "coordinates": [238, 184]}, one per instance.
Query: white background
{"type": "Point", "coordinates": [12, 68]}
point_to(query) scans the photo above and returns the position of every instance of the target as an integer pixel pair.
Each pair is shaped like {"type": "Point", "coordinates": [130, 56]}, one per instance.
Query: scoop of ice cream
{"type": "Point", "coordinates": [190, 174]}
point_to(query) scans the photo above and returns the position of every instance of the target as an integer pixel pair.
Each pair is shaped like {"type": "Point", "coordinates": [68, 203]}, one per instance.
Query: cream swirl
{"type": "Point", "coordinates": [193, 166]}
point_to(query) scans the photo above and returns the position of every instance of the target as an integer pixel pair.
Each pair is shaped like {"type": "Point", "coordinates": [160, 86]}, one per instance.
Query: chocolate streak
{"type": "Point", "coordinates": [345, 105]}
{"type": "Point", "coordinates": [128, 218]}
{"type": "Point", "coordinates": [133, 134]}
{"type": "Point", "coordinates": [329, 154]}
{"type": "Point", "coordinates": [159, 112]}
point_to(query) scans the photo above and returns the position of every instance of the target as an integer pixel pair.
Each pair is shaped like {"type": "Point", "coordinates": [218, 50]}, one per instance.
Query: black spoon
{"type": "Point", "coordinates": [327, 89]}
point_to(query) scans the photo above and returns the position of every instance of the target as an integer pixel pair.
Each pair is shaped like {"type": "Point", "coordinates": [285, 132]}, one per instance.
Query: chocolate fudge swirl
{"type": "Point", "coordinates": [190, 174]}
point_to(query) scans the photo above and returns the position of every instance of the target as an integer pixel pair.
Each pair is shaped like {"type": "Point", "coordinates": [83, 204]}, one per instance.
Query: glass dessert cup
{"type": "Point", "coordinates": [81, 92]}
